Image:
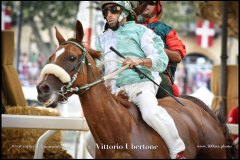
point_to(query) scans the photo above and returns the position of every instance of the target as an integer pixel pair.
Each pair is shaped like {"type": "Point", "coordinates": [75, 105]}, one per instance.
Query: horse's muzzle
{"type": "Point", "coordinates": [47, 95]}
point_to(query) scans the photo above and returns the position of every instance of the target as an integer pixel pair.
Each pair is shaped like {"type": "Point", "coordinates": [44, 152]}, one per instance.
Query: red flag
{"type": "Point", "coordinates": [6, 17]}
{"type": "Point", "coordinates": [205, 32]}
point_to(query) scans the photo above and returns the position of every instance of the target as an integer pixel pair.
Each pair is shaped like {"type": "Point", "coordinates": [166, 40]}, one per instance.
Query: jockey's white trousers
{"type": "Point", "coordinates": [143, 95]}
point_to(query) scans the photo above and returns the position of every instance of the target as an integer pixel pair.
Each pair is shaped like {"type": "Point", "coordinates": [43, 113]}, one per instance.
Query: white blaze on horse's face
{"type": "Point", "coordinates": [58, 53]}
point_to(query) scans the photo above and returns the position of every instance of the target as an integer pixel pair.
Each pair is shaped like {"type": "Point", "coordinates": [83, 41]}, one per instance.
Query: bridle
{"type": "Point", "coordinates": [67, 87]}
{"type": "Point", "coordinates": [76, 90]}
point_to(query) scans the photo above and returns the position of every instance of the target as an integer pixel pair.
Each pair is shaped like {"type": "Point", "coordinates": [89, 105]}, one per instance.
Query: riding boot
{"type": "Point", "coordinates": [180, 155]}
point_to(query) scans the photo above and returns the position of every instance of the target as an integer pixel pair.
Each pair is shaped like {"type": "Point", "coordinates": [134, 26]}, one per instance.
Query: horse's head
{"type": "Point", "coordinates": [68, 68]}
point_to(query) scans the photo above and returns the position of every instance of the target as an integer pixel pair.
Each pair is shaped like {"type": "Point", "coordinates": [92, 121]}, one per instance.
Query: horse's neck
{"type": "Point", "coordinates": [107, 120]}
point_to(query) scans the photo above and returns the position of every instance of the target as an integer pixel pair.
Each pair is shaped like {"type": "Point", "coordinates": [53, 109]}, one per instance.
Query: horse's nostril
{"type": "Point", "coordinates": [44, 88]}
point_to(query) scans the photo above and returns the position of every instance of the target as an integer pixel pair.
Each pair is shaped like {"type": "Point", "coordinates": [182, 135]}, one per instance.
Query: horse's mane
{"type": "Point", "coordinates": [230, 151]}
{"type": "Point", "coordinates": [95, 54]}
{"type": "Point", "coordinates": [202, 105]}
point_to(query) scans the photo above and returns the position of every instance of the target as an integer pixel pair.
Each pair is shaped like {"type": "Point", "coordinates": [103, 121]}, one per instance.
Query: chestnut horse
{"type": "Point", "coordinates": [119, 131]}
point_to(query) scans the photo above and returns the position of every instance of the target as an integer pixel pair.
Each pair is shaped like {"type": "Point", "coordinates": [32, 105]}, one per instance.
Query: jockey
{"type": "Point", "coordinates": [173, 46]}
{"type": "Point", "coordinates": [142, 48]}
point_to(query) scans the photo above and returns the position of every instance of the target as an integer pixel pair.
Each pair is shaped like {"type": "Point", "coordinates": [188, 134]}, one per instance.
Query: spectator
{"type": "Point", "coordinates": [232, 118]}
{"type": "Point", "coordinates": [33, 57]}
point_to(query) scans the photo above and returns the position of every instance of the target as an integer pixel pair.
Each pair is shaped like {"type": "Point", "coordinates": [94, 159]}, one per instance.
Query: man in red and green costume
{"type": "Point", "coordinates": [174, 47]}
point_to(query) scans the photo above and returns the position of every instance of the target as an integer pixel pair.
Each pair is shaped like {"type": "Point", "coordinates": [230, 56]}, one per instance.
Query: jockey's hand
{"type": "Point", "coordinates": [132, 62]}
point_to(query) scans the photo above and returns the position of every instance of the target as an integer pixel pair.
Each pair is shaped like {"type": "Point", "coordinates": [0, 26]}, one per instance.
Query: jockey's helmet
{"type": "Point", "coordinates": [158, 8]}
{"type": "Point", "coordinates": [126, 6]}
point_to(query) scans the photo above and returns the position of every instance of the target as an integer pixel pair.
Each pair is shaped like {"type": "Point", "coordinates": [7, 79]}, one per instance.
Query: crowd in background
{"type": "Point", "coordinates": [29, 68]}
{"type": "Point", "coordinates": [190, 80]}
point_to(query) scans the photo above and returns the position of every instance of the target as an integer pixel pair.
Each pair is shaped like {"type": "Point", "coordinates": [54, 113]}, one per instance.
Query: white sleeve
{"type": "Point", "coordinates": [153, 47]}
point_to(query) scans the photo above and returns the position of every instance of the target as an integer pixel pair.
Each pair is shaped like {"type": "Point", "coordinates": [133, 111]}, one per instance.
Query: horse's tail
{"type": "Point", "coordinates": [230, 147]}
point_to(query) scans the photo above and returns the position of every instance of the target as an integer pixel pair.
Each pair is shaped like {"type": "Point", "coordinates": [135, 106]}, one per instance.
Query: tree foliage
{"type": "Point", "coordinates": [43, 15]}
{"type": "Point", "coordinates": [179, 15]}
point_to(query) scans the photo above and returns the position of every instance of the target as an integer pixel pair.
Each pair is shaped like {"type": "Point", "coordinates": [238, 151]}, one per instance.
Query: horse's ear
{"type": "Point", "coordinates": [59, 37]}
{"type": "Point", "coordinates": [79, 31]}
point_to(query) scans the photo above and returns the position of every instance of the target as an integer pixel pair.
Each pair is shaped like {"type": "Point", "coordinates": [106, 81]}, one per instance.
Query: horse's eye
{"type": "Point", "coordinates": [72, 58]}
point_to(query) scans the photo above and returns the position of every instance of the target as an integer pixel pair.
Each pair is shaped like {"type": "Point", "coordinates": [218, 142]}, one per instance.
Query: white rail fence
{"type": "Point", "coordinates": [54, 123]}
